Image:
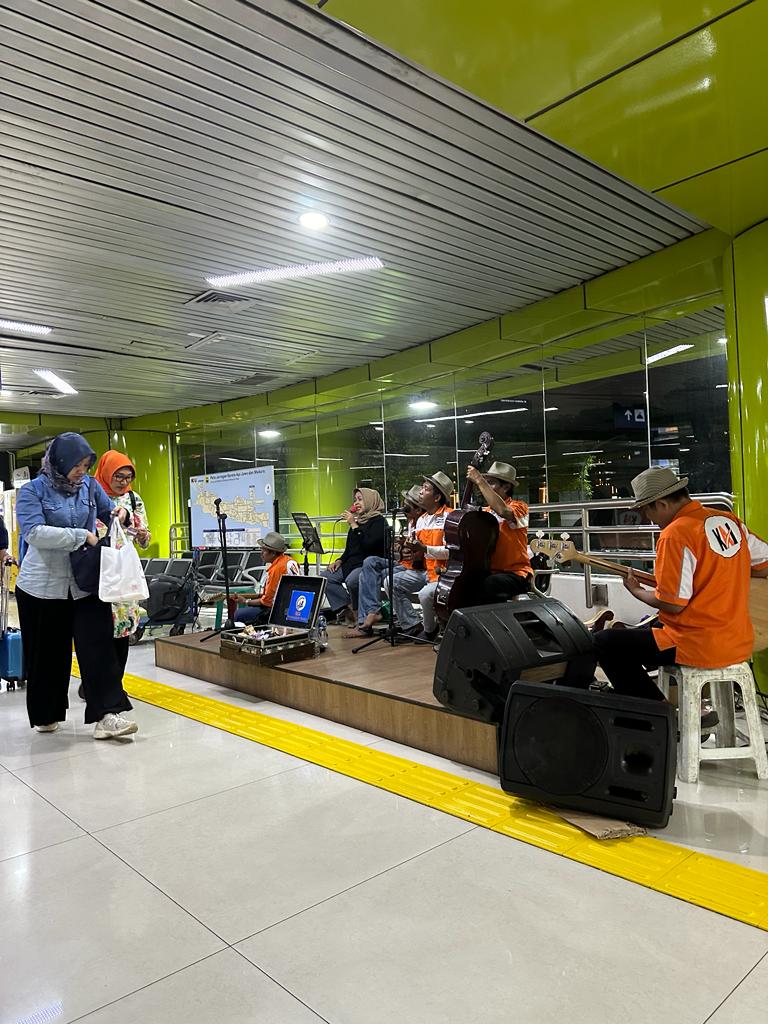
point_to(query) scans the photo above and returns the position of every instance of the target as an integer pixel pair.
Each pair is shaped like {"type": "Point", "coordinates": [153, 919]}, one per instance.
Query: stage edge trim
{"type": "Point", "coordinates": [725, 888]}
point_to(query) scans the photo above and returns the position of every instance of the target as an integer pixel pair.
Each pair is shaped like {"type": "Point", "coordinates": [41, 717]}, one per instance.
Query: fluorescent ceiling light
{"type": "Point", "coordinates": [269, 433]}
{"type": "Point", "coordinates": [431, 426]}
{"type": "Point", "coordinates": [722, 341]}
{"type": "Point", "coordinates": [320, 458]}
{"type": "Point", "coordinates": [5, 393]}
{"type": "Point", "coordinates": [536, 455]}
{"type": "Point", "coordinates": [56, 382]}
{"type": "Point", "coordinates": [314, 220]}
{"type": "Point", "coordinates": [592, 451]}
{"type": "Point", "coordinates": [376, 423]}
{"type": "Point", "coordinates": [380, 429]}
{"type": "Point", "coordinates": [469, 421]}
{"type": "Point", "coordinates": [227, 458]}
{"type": "Point", "coordinates": [297, 270]}
{"type": "Point", "coordinates": [422, 405]}
{"type": "Point", "coordinates": [667, 352]}
{"type": "Point", "coordinates": [400, 455]}
{"type": "Point", "coordinates": [21, 328]}
{"type": "Point", "coordinates": [493, 412]}
{"type": "Point", "coordinates": [366, 467]}
{"type": "Point", "coordinates": [550, 408]}
{"type": "Point", "coordinates": [720, 386]}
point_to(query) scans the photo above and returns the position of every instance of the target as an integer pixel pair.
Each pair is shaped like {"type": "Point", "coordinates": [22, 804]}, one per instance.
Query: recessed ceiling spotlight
{"type": "Point", "coordinates": [20, 328]}
{"type": "Point", "coordinates": [269, 433]}
{"type": "Point", "coordinates": [313, 220]}
{"type": "Point", "coordinates": [56, 382]}
{"type": "Point", "coordinates": [297, 270]}
{"type": "Point", "coordinates": [469, 421]}
{"type": "Point", "coordinates": [431, 426]}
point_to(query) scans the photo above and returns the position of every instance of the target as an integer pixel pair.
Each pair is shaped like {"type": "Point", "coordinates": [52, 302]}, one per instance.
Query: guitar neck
{"type": "Point", "coordinates": [615, 567]}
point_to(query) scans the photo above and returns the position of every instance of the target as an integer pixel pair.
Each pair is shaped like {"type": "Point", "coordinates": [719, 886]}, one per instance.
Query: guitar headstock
{"type": "Point", "coordinates": [484, 446]}
{"type": "Point", "coordinates": [557, 550]}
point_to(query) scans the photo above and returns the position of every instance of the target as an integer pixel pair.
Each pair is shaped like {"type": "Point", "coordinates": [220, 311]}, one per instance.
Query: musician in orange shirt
{"type": "Point", "coordinates": [273, 550]}
{"type": "Point", "coordinates": [704, 559]}
{"type": "Point", "coordinates": [511, 571]}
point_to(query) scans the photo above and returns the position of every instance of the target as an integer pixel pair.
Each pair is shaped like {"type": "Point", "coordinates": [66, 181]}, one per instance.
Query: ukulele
{"type": "Point", "coordinates": [470, 536]}
{"type": "Point", "coordinates": [565, 551]}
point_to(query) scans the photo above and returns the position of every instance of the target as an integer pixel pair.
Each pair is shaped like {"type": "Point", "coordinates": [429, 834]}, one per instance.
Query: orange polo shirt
{"type": "Point", "coordinates": [282, 565]}
{"type": "Point", "coordinates": [430, 530]}
{"type": "Point", "coordinates": [511, 551]}
{"type": "Point", "coordinates": [703, 563]}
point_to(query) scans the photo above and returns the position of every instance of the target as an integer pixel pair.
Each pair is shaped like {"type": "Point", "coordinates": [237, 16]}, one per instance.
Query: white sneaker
{"type": "Point", "coordinates": [114, 725]}
{"type": "Point", "coordinates": [48, 728]}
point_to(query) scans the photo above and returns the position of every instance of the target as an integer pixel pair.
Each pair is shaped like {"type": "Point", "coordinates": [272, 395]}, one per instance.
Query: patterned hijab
{"type": "Point", "coordinates": [372, 504]}
{"type": "Point", "coordinates": [63, 454]}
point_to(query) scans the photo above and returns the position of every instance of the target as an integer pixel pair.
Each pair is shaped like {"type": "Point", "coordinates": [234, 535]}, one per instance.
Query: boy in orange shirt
{"type": "Point", "coordinates": [273, 551]}
{"type": "Point", "coordinates": [704, 559]}
{"type": "Point", "coordinates": [510, 565]}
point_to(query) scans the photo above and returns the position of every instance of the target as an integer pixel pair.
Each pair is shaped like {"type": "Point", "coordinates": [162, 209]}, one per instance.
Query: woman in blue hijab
{"type": "Point", "coordinates": [56, 513]}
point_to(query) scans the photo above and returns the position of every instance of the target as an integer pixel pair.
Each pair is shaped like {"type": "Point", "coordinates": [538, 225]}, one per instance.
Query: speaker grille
{"type": "Point", "coordinates": [560, 746]}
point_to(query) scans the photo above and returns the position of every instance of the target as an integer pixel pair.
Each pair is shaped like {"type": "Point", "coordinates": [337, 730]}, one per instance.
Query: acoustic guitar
{"type": "Point", "coordinates": [470, 536]}
{"type": "Point", "coordinates": [565, 551]}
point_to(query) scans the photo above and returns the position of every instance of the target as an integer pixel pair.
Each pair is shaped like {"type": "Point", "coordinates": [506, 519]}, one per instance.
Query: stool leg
{"type": "Point", "coordinates": [665, 675]}
{"type": "Point", "coordinates": [754, 727]}
{"type": "Point", "coordinates": [689, 717]}
{"type": "Point", "coordinates": [723, 703]}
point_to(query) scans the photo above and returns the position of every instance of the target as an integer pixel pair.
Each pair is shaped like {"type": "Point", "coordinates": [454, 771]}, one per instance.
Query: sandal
{"type": "Point", "coordinates": [358, 632]}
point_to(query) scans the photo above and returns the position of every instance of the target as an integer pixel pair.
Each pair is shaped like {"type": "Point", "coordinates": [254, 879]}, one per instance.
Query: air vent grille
{"type": "Point", "coordinates": [214, 301]}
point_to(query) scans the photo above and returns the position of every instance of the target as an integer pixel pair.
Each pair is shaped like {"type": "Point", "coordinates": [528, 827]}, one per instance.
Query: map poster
{"type": "Point", "coordinates": [247, 497]}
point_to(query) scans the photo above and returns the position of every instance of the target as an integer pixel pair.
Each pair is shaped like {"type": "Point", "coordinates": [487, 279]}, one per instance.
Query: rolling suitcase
{"type": "Point", "coordinates": [11, 654]}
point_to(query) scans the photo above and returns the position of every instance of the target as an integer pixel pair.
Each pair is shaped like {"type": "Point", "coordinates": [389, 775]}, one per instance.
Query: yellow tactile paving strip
{"type": "Point", "coordinates": [717, 885]}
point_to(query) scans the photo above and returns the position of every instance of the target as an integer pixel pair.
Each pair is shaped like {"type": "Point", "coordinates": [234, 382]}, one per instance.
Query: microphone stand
{"type": "Point", "coordinates": [391, 634]}
{"type": "Point", "coordinates": [221, 522]}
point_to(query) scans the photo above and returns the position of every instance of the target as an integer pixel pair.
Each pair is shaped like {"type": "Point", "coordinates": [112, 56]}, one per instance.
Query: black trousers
{"type": "Point", "coordinates": [47, 631]}
{"type": "Point", "coordinates": [625, 654]}
{"type": "Point", "coordinates": [503, 586]}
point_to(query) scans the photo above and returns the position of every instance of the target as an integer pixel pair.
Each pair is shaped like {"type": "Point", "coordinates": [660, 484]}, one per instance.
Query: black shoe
{"type": "Point", "coordinates": [430, 635]}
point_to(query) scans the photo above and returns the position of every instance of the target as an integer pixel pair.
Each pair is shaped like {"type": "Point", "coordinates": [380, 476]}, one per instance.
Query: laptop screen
{"type": "Point", "coordinates": [298, 601]}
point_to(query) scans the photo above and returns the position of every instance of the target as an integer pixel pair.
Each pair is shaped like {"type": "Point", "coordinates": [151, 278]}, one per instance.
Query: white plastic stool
{"type": "Point", "coordinates": [691, 681]}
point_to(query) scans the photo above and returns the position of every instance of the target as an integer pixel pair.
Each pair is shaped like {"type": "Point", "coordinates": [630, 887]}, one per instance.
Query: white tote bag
{"type": "Point", "coordinates": [121, 580]}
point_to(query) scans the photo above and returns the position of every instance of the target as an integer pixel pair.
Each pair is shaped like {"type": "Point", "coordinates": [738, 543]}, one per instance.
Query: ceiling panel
{"type": "Point", "coordinates": [148, 145]}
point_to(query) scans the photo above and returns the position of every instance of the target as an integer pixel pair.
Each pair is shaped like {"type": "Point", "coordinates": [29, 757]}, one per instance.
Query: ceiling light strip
{"type": "Point", "coordinates": [56, 382]}
{"type": "Point", "coordinates": [299, 270]}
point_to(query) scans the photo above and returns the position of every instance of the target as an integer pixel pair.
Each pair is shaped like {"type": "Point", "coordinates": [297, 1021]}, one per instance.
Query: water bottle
{"type": "Point", "coordinates": [321, 633]}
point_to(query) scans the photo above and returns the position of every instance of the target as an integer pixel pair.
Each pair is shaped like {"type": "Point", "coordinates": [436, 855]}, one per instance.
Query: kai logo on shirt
{"type": "Point", "coordinates": [723, 535]}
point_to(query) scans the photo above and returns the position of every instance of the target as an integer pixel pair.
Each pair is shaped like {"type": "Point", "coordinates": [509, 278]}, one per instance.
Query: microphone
{"type": "Point", "coordinates": [217, 502]}
{"type": "Point", "coordinates": [352, 508]}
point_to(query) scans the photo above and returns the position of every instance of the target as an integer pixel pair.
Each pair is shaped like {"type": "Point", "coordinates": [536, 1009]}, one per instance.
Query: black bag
{"type": "Point", "coordinates": [86, 561]}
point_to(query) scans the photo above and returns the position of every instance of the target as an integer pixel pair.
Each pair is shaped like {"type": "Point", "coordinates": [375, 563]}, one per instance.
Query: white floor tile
{"type": "Point", "coordinates": [749, 1003]}
{"type": "Point", "coordinates": [82, 929]}
{"type": "Point", "coordinates": [22, 747]}
{"type": "Point", "coordinates": [27, 822]}
{"type": "Point", "coordinates": [484, 930]}
{"type": "Point", "coordinates": [243, 860]}
{"type": "Point", "coordinates": [224, 989]}
{"type": "Point", "coordinates": [122, 780]}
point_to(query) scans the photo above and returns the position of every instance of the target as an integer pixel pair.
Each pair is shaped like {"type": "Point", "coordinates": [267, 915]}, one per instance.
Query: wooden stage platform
{"type": "Point", "coordinates": [383, 690]}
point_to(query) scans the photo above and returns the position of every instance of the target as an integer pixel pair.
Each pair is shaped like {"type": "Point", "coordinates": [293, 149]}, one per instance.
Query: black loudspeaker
{"type": "Point", "coordinates": [486, 649]}
{"type": "Point", "coordinates": [595, 752]}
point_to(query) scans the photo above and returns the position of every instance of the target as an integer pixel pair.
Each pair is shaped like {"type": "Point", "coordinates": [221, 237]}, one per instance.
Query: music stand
{"type": "Point", "coordinates": [310, 539]}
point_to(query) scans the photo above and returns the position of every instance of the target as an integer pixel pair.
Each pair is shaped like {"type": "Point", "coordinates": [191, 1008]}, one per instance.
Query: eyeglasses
{"type": "Point", "coordinates": [122, 478]}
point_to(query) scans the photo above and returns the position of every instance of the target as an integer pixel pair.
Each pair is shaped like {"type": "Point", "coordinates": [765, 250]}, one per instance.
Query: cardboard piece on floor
{"type": "Point", "coordinates": [600, 828]}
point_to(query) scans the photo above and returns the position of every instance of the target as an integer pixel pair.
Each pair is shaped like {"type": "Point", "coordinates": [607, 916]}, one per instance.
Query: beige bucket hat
{"type": "Point", "coordinates": [412, 496]}
{"type": "Point", "coordinates": [273, 541]}
{"type": "Point", "coordinates": [442, 482]}
{"type": "Point", "coordinates": [654, 483]}
{"type": "Point", "coordinates": [502, 471]}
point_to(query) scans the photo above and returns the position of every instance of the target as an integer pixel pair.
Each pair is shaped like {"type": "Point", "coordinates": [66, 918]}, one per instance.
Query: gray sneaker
{"type": "Point", "coordinates": [112, 726]}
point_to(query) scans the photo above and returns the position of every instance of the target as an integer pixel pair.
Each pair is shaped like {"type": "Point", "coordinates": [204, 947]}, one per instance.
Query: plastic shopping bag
{"type": "Point", "coordinates": [122, 578]}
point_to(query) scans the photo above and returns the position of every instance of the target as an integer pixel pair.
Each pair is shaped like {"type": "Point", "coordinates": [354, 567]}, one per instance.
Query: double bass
{"type": "Point", "coordinates": [470, 536]}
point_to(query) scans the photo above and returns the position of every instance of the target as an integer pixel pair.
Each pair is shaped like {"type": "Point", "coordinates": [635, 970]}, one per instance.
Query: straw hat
{"type": "Point", "coordinates": [442, 482]}
{"type": "Point", "coordinates": [413, 496]}
{"type": "Point", "coordinates": [654, 483]}
{"type": "Point", "coordinates": [273, 541]}
{"type": "Point", "coordinates": [502, 471]}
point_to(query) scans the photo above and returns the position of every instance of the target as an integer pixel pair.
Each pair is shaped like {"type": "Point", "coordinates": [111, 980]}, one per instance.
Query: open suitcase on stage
{"type": "Point", "coordinates": [11, 655]}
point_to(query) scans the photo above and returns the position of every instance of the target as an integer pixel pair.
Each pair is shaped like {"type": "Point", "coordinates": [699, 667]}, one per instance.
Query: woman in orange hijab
{"type": "Point", "coordinates": [116, 473]}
